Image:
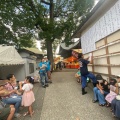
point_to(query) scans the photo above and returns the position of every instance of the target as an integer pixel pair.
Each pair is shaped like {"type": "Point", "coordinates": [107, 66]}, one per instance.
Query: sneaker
{"type": "Point", "coordinates": [17, 115]}
{"type": "Point", "coordinates": [94, 101]}
{"type": "Point", "coordinates": [47, 85]}
{"type": "Point", "coordinates": [83, 93]}
{"type": "Point", "coordinates": [43, 86]}
{"type": "Point", "coordinates": [49, 81]}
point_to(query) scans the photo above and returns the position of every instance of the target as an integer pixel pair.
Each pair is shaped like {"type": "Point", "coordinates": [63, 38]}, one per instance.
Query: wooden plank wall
{"type": "Point", "coordinates": [107, 56]}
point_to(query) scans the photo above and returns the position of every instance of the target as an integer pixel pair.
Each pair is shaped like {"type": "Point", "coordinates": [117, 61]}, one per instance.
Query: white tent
{"type": "Point", "coordinates": [10, 56]}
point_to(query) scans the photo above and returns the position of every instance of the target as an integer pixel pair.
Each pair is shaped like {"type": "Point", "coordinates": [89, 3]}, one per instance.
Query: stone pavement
{"type": "Point", "coordinates": [62, 100]}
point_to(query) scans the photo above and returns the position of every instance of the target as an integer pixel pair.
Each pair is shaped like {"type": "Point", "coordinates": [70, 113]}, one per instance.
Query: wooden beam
{"type": "Point", "coordinates": [47, 3]}
{"type": "Point", "coordinates": [108, 58]}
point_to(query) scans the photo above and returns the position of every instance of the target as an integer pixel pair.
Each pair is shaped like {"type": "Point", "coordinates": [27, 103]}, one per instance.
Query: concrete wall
{"type": "Point", "coordinates": [27, 67]}
{"type": "Point", "coordinates": [28, 59]}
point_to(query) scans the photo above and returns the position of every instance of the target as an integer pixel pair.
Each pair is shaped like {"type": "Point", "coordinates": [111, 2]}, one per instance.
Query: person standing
{"type": "Point", "coordinates": [28, 96]}
{"type": "Point", "coordinates": [43, 66]}
{"type": "Point", "coordinates": [85, 73]}
{"type": "Point", "coordinates": [48, 70]}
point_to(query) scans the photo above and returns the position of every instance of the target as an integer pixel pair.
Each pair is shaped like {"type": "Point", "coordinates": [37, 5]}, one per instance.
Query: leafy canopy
{"type": "Point", "coordinates": [20, 18]}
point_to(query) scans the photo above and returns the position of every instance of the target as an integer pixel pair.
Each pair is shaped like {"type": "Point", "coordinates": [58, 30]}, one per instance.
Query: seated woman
{"type": "Point", "coordinates": [6, 113]}
{"type": "Point", "coordinates": [77, 75]}
{"type": "Point", "coordinates": [12, 84]}
{"type": "Point", "coordinates": [12, 98]}
{"type": "Point", "coordinates": [115, 104]}
{"type": "Point", "coordinates": [112, 93]}
{"type": "Point", "coordinates": [101, 89]}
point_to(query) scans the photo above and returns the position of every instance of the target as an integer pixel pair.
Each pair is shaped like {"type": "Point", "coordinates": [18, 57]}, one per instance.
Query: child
{"type": "Point", "coordinates": [77, 75]}
{"type": "Point", "coordinates": [28, 95]}
{"type": "Point", "coordinates": [112, 93]}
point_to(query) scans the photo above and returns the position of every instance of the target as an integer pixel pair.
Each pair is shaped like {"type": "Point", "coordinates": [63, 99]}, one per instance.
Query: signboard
{"type": "Point", "coordinates": [106, 25]}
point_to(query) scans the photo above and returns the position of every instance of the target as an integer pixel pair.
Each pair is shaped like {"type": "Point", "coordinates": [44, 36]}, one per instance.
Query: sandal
{"type": "Point", "coordinates": [111, 110]}
{"type": "Point", "coordinates": [17, 115]}
{"type": "Point", "coordinates": [32, 113]}
{"type": "Point", "coordinates": [78, 81]}
{"type": "Point", "coordinates": [26, 113]}
{"type": "Point", "coordinates": [108, 105]}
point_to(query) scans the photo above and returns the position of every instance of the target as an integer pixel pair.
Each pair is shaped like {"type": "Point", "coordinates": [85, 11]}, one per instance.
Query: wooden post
{"type": "Point", "coordinates": [108, 58]}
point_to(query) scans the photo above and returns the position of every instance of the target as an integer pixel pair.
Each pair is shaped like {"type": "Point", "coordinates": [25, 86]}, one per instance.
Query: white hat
{"type": "Point", "coordinates": [45, 56]}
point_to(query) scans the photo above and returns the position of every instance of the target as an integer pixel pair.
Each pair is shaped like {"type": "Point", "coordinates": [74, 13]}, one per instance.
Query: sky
{"type": "Point", "coordinates": [96, 1]}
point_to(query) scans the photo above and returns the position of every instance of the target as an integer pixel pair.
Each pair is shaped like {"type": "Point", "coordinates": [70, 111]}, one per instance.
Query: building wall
{"type": "Point", "coordinates": [107, 56]}
{"type": "Point", "coordinates": [107, 49]}
{"type": "Point", "coordinates": [17, 70]}
{"type": "Point", "coordinates": [30, 63]}
{"type": "Point", "coordinates": [24, 54]}
{"type": "Point", "coordinates": [27, 66]}
{"type": "Point", "coordinates": [107, 24]}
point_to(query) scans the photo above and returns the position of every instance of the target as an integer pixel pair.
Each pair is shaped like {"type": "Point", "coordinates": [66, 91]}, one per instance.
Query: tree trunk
{"type": "Point", "coordinates": [49, 42]}
{"type": "Point", "coordinates": [51, 10]}
{"type": "Point", "coordinates": [50, 53]}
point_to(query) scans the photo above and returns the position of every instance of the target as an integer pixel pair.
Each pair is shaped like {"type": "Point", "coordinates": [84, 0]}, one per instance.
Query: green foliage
{"type": "Point", "coordinates": [20, 18]}
{"type": "Point", "coordinates": [17, 21]}
{"type": "Point", "coordinates": [65, 21]}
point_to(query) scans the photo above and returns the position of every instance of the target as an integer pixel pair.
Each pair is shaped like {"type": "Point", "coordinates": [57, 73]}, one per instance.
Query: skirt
{"type": "Point", "coordinates": [110, 97]}
{"type": "Point", "coordinates": [28, 98]}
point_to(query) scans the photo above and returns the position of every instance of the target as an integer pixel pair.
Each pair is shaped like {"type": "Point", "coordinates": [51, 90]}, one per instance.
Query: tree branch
{"type": "Point", "coordinates": [47, 3]}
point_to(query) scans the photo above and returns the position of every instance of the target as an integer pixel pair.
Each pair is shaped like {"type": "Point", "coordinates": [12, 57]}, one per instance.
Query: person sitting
{"type": "Point", "coordinates": [12, 98]}
{"type": "Point", "coordinates": [101, 89]}
{"type": "Point", "coordinates": [12, 84]}
{"type": "Point", "coordinates": [6, 113]}
{"type": "Point", "coordinates": [112, 93]}
{"type": "Point", "coordinates": [115, 104]}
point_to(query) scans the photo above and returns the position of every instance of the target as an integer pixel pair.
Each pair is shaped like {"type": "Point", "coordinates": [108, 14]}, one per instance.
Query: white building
{"type": "Point", "coordinates": [100, 34]}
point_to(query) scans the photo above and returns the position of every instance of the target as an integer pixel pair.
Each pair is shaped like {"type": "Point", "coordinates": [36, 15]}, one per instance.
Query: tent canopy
{"type": "Point", "coordinates": [34, 50]}
{"type": "Point", "coordinates": [10, 56]}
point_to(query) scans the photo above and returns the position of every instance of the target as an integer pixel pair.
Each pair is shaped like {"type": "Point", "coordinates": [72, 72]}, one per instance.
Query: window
{"type": "Point", "coordinates": [31, 68]}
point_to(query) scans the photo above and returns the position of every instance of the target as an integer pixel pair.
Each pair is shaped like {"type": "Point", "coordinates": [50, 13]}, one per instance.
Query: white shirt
{"type": "Point", "coordinates": [27, 87]}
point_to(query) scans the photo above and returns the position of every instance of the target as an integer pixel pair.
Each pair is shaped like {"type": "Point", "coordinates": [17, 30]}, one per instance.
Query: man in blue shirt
{"type": "Point", "coordinates": [85, 73]}
{"type": "Point", "coordinates": [42, 71]}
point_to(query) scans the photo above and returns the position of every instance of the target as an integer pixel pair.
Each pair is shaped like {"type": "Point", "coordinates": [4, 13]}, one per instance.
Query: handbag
{"type": "Point", "coordinates": [118, 97]}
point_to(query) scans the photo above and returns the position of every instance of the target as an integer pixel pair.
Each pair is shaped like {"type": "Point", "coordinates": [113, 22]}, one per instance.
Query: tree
{"type": "Point", "coordinates": [55, 19]}
{"type": "Point", "coordinates": [17, 22]}
{"type": "Point", "coordinates": [61, 20]}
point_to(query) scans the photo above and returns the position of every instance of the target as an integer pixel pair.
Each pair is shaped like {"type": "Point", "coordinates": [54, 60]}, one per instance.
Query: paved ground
{"type": "Point", "coordinates": [62, 100]}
